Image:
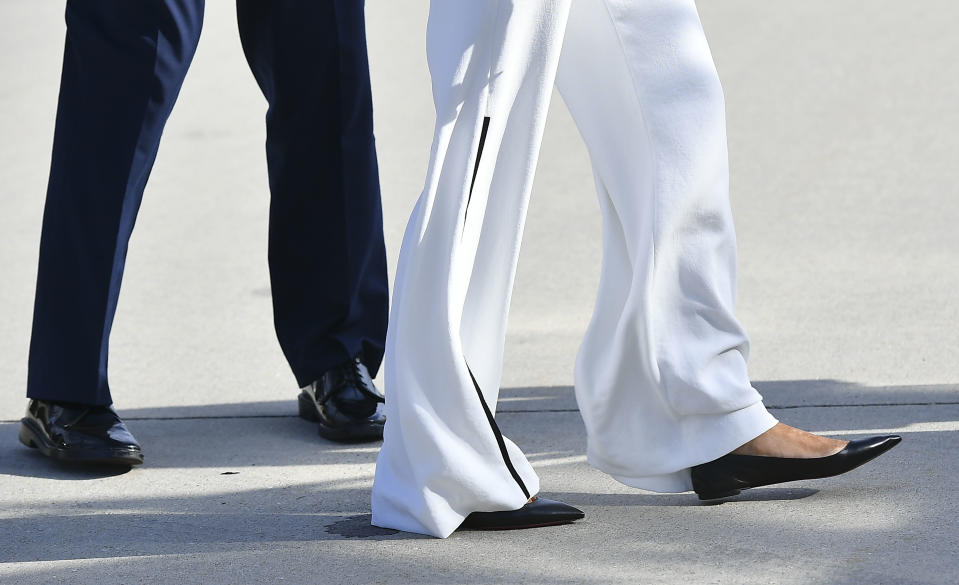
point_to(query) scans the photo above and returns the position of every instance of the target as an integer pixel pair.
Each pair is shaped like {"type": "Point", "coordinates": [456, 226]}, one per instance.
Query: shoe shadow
{"type": "Point", "coordinates": [772, 494]}
{"type": "Point", "coordinates": [31, 463]}
{"type": "Point", "coordinates": [764, 495]}
{"type": "Point", "coordinates": [359, 526]}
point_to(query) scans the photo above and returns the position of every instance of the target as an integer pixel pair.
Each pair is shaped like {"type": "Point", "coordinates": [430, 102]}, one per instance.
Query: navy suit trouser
{"type": "Point", "coordinates": [124, 63]}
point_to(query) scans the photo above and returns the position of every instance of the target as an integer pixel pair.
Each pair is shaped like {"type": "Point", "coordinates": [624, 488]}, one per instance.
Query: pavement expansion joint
{"type": "Point", "coordinates": [526, 411]}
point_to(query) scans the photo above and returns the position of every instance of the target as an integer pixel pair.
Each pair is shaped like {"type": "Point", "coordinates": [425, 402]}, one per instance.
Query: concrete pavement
{"type": "Point", "coordinates": [843, 148]}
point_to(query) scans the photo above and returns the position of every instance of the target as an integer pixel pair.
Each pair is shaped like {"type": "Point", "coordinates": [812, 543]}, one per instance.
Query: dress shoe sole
{"type": "Point", "coordinates": [33, 437]}
{"type": "Point", "coordinates": [356, 433]}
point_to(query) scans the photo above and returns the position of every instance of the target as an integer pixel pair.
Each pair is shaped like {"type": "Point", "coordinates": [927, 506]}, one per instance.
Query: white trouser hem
{"type": "Point", "coordinates": [715, 436]}
{"type": "Point", "coordinates": [432, 513]}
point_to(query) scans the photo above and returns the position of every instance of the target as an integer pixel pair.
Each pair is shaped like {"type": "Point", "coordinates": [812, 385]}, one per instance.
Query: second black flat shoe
{"type": "Point", "coordinates": [79, 433]}
{"type": "Point", "coordinates": [345, 402]}
{"type": "Point", "coordinates": [730, 474]}
{"type": "Point", "coordinates": [537, 512]}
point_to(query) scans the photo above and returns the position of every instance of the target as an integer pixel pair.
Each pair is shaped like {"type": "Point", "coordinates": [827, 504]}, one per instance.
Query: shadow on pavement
{"type": "Point", "coordinates": [99, 533]}
{"type": "Point", "coordinates": [771, 494]}
{"type": "Point", "coordinates": [777, 394]}
{"type": "Point", "coordinates": [201, 436]}
{"type": "Point", "coordinates": [268, 513]}
{"type": "Point", "coordinates": [780, 394]}
{"type": "Point", "coordinates": [30, 463]}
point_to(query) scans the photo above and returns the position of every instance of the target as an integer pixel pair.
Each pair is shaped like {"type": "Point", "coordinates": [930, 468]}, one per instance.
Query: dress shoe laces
{"type": "Point", "coordinates": [353, 375]}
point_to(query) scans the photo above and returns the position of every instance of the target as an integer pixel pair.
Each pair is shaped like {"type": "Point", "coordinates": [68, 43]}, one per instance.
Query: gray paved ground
{"type": "Point", "coordinates": [843, 141]}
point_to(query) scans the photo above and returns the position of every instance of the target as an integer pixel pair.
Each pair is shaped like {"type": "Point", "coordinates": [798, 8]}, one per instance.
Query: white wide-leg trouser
{"type": "Point", "coordinates": [661, 375]}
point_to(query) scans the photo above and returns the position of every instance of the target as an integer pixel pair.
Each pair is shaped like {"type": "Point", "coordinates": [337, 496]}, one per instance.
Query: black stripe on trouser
{"type": "Point", "coordinates": [498, 434]}
{"type": "Point", "coordinates": [479, 155]}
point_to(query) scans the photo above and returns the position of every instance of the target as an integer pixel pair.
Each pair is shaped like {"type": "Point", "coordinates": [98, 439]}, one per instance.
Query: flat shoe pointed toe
{"type": "Point", "coordinates": [732, 473]}
{"type": "Point", "coordinates": [536, 513]}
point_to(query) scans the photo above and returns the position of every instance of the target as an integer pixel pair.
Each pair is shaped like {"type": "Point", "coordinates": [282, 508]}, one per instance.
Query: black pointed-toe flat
{"type": "Point", "coordinates": [731, 473]}
{"type": "Point", "coordinates": [537, 512]}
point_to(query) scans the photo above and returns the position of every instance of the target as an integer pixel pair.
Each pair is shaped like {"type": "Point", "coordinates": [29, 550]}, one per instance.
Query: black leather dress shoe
{"type": "Point", "coordinates": [730, 474]}
{"type": "Point", "coordinates": [79, 433]}
{"type": "Point", "coordinates": [345, 402]}
{"type": "Point", "coordinates": [537, 512]}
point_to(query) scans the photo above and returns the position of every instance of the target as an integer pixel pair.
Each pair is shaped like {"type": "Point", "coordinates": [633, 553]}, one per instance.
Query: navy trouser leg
{"type": "Point", "coordinates": [123, 65]}
{"type": "Point", "coordinates": [326, 251]}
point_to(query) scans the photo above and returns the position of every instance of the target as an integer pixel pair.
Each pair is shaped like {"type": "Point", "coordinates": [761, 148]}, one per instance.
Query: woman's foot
{"type": "Point", "coordinates": [784, 454]}
{"type": "Point", "coordinates": [786, 441]}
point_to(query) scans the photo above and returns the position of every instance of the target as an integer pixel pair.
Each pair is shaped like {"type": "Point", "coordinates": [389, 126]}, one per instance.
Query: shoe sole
{"type": "Point", "coordinates": [538, 512]}
{"type": "Point", "coordinates": [359, 433]}
{"type": "Point", "coordinates": [720, 495]}
{"type": "Point", "coordinates": [522, 526]}
{"type": "Point", "coordinates": [34, 438]}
